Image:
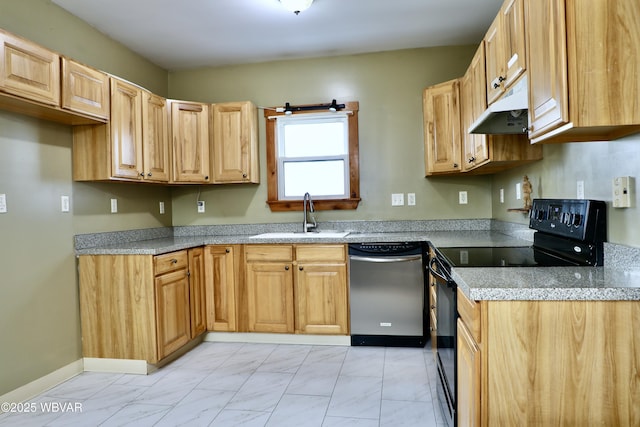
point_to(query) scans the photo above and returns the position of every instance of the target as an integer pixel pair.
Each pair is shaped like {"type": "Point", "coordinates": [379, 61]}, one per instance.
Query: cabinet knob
{"type": "Point", "coordinates": [149, 174]}
{"type": "Point", "coordinates": [244, 175]}
{"type": "Point", "coordinates": [174, 261]}
{"type": "Point", "coordinates": [301, 268]}
{"type": "Point", "coordinates": [286, 267]}
{"type": "Point", "coordinates": [206, 178]}
{"type": "Point", "coordinates": [227, 250]}
{"type": "Point", "coordinates": [496, 85]}
{"type": "Point", "coordinates": [455, 165]}
{"type": "Point", "coordinates": [142, 174]}
{"type": "Point", "coordinates": [472, 159]}
{"type": "Point", "coordinates": [433, 306]}
{"type": "Point", "coordinates": [501, 79]}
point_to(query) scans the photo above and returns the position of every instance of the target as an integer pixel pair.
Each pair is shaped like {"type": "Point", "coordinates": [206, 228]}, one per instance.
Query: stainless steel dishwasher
{"type": "Point", "coordinates": [387, 294]}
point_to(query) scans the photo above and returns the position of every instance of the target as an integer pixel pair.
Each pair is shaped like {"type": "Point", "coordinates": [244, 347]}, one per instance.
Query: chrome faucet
{"type": "Point", "coordinates": [306, 201]}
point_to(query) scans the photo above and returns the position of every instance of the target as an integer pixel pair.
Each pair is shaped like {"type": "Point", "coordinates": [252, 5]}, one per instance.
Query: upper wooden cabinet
{"type": "Point", "coordinates": [85, 90]}
{"type": "Point", "coordinates": [441, 108]}
{"type": "Point", "coordinates": [133, 146]}
{"type": "Point", "coordinates": [505, 49]}
{"type": "Point", "coordinates": [583, 59]}
{"type": "Point", "coordinates": [235, 143]}
{"type": "Point", "coordinates": [126, 130]}
{"type": "Point", "coordinates": [487, 153]}
{"type": "Point", "coordinates": [190, 142]}
{"type": "Point", "coordinates": [28, 70]}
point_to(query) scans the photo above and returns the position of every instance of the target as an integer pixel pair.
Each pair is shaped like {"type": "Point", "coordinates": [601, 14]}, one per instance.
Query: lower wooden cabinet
{"type": "Point", "coordinates": [297, 288]}
{"type": "Point", "coordinates": [543, 363]}
{"type": "Point", "coordinates": [140, 307]}
{"type": "Point", "coordinates": [321, 290]}
{"type": "Point", "coordinates": [222, 276]}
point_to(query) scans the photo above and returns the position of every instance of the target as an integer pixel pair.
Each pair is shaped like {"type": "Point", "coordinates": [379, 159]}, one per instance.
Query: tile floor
{"type": "Point", "coordinates": [238, 384]}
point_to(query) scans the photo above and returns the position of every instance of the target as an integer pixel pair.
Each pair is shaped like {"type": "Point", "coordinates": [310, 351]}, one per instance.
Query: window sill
{"type": "Point", "coordinates": [319, 205]}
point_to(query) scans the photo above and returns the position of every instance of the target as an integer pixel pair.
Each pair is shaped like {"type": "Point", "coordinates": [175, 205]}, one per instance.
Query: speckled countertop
{"type": "Point", "coordinates": [615, 281]}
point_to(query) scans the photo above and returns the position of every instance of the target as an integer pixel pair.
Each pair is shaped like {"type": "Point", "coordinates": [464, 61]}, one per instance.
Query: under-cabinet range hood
{"type": "Point", "coordinates": [507, 115]}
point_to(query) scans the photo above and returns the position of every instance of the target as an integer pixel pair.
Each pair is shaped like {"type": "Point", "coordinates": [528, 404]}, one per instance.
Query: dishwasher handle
{"type": "Point", "coordinates": [382, 259]}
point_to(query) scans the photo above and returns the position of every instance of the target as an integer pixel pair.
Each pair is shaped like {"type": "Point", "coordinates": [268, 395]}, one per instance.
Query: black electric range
{"type": "Point", "coordinates": [568, 232]}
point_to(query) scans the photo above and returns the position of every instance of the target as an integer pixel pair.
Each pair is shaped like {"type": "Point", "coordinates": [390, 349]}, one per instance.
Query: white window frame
{"type": "Point", "coordinates": [282, 159]}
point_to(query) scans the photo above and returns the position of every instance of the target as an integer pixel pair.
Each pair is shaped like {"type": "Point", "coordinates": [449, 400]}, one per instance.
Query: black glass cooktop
{"type": "Point", "coordinates": [526, 256]}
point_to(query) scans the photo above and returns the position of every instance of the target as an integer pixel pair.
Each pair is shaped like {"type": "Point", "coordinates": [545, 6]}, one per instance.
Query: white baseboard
{"type": "Point", "coordinates": [120, 366]}
{"type": "Point", "coordinates": [43, 384]}
{"type": "Point", "coordinates": [278, 338]}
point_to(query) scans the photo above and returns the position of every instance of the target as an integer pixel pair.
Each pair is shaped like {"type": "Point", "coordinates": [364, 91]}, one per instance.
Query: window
{"type": "Point", "coordinates": [316, 153]}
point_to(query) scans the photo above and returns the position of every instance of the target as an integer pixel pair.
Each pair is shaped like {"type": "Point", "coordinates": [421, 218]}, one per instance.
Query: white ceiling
{"type": "Point", "coordinates": [183, 34]}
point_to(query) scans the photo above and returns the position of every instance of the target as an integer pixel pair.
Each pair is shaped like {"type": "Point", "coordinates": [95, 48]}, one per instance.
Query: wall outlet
{"type": "Point", "coordinates": [411, 199]}
{"type": "Point", "coordinates": [502, 195]}
{"type": "Point", "coordinates": [161, 208]}
{"type": "Point", "coordinates": [3, 203]}
{"type": "Point", "coordinates": [200, 206]}
{"type": "Point", "coordinates": [397, 199]}
{"type": "Point", "coordinates": [64, 204]}
{"type": "Point", "coordinates": [462, 197]}
{"type": "Point", "coordinates": [580, 189]}
{"type": "Point", "coordinates": [622, 191]}
{"type": "Point", "coordinates": [114, 205]}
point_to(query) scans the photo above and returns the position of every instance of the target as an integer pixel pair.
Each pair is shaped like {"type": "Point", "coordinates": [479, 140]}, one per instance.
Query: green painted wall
{"type": "Point", "coordinates": [39, 316]}
{"type": "Point", "coordinates": [389, 88]}
{"type": "Point", "coordinates": [595, 163]}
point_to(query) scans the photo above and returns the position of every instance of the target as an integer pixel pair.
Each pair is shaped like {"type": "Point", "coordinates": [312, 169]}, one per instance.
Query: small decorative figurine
{"type": "Point", "coordinates": [527, 189]}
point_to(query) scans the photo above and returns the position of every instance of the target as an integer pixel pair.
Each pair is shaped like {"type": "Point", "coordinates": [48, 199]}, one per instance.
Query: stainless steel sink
{"type": "Point", "coordinates": [324, 234]}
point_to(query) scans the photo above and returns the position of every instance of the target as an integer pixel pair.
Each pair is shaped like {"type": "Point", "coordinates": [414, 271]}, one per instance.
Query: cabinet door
{"type": "Point", "coordinates": [547, 65]}
{"type": "Point", "coordinates": [270, 297]}
{"type": "Point", "coordinates": [155, 134]}
{"type": "Point", "coordinates": [442, 128]}
{"type": "Point", "coordinates": [321, 299]}
{"type": "Point", "coordinates": [468, 386]}
{"type": "Point", "coordinates": [190, 131]}
{"type": "Point", "coordinates": [172, 311]}
{"type": "Point", "coordinates": [197, 299]}
{"type": "Point", "coordinates": [28, 70]}
{"type": "Point", "coordinates": [514, 45]}
{"type": "Point", "coordinates": [126, 130]}
{"type": "Point", "coordinates": [84, 89]}
{"type": "Point", "coordinates": [221, 283]}
{"type": "Point", "coordinates": [495, 62]}
{"type": "Point", "coordinates": [235, 156]}
{"type": "Point", "coordinates": [473, 102]}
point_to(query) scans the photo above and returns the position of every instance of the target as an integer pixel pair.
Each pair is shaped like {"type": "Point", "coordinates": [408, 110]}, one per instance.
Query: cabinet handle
{"type": "Point", "coordinates": [501, 79]}
{"type": "Point", "coordinates": [227, 250]}
{"type": "Point", "coordinates": [433, 307]}
{"type": "Point", "coordinates": [142, 174]}
{"type": "Point", "coordinates": [174, 261]}
{"type": "Point", "coordinates": [472, 159]}
{"type": "Point", "coordinates": [496, 85]}
{"type": "Point", "coordinates": [149, 174]}
{"type": "Point", "coordinates": [455, 165]}
{"type": "Point", "coordinates": [301, 268]}
{"type": "Point", "coordinates": [286, 267]}
{"type": "Point", "coordinates": [206, 178]}
{"type": "Point", "coordinates": [244, 175]}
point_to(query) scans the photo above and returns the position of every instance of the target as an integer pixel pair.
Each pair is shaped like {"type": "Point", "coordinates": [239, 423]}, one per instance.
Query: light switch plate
{"type": "Point", "coordinates": [462, 197]}
{"type": "Point", "coordinates": [114, 205]}
{"type": "Point", "coordinates": [3, 203]}
{"type": "Point", "coordinates": [64, 204]}
{"type": "Point", "coordinates": [502, 195]}
{"type": "Point", "coordinates": [580, 189]}
{"type": "Point", "coordinates": [518, 191]}
{"type": "Point", "coordinates": [161, 208]}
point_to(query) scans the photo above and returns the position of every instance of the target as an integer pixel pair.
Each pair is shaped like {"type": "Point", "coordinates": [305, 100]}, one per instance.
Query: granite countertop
{"type": "Point", "coordinates": [613, 282]}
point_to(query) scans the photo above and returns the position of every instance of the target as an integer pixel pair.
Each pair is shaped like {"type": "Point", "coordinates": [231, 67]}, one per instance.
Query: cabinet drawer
{"type": "Point", "coordinates": [169, 262]}
{"type": "Point", "coordinates": [470, 314]}
{"type": "Point", "coordinates": [268, 253]}
{"type": "Point", "coordinates": [321, 253]}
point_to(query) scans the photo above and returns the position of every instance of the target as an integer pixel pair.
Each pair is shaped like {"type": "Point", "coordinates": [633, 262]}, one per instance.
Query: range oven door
{"type": "Point", "coordinates": [445, 337]}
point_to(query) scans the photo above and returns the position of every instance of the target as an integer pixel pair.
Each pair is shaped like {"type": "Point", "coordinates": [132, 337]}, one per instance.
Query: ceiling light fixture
{"type": "Point", "coordinates": [296, 6]}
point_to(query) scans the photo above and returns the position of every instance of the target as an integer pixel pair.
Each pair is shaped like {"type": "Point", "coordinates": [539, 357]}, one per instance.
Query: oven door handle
{"type": "Point", "coordinates": [435, 272]}
{"type": "Point", "coordinates": [385, 258]}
